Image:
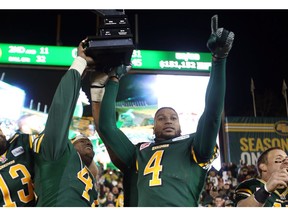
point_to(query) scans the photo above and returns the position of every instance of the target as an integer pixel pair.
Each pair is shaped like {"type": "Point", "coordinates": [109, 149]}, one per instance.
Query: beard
{"type": "Point", "coordinates": [160, 136]}
{"type": "Point", "coordinates": [87, 158]}
{"type": "Point", "coordinates": [3, 144]}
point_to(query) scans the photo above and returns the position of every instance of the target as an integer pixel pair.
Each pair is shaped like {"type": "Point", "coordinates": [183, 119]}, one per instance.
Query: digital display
{"type": "Point", "coordinates": [168, 60]}
{"type": "Point", "coordinates": [141, 59]}
{"type": "Point", "coordinates": [37, 55]}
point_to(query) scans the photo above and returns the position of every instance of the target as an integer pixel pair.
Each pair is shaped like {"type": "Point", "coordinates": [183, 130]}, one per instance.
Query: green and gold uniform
{"type": "Point", "coordinates": [171, 172]}
{"type": "Point", "coordinates": [17, 172]}
{"type": "Point", "coordinates": [279, 198]}
{"type": "Point", "coordinates": [61, 178]}
{"type": "Point", "coordinates": [130, 187]}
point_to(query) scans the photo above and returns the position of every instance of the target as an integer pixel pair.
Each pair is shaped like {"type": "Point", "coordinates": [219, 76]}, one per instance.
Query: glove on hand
{"type": "Point", "coordinates": [120, 71]}
{"type": "Point", "coordinates": [97, 84]}
{"type": "Point", "coordinates": [220, 41]}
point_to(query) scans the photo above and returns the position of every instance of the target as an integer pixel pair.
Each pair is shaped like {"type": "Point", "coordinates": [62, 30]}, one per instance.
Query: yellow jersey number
{"type": "Point", "coordinates": [26, 180]}
{"type": "Point", "coordinates": [154, 167]}
{"type": "Point", "coordinates": [84, 177]}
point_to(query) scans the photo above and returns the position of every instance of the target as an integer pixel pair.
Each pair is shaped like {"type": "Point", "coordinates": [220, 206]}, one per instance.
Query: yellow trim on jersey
{"type": "Point", "coordinates": [31, 141]}
{"type": "Point", "coordinates": [13, 138]}
{"type": "Point", "coordinates": [137, 165]}
{"type": "Point", "coordinates": [206, 165]}
{"type": "Point", "coordinates": [4, 154]}
{"type": "Point", "coordinates": [244, 191]}
{"type": "Point", "coordinates": [37, 143]}
{"type": "Point", "coordinates": [284, 194]}
{"type": "Point", "coordinates": [261, 180]}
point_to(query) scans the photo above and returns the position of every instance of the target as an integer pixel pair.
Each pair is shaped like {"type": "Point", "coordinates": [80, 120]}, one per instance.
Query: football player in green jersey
{"type": "Point", "coordinates": [171, 171]}
{"type": "Point", "coordinates": [270, 189]}
{"type": "Point", "coordinates": [16, 170]}
{"type": "Point", "coordinates": [62, 177]}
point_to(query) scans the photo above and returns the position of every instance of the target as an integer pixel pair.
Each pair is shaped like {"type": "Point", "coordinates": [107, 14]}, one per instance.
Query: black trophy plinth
{"type": "Point", "coordinates": [113, 44]}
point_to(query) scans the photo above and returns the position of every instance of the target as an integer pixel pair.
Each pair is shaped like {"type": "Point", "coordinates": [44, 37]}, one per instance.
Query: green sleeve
{"type": "Point", "coordinates": [210, 121]}
{"type": "Point", "coordinates": [113, 137]}
{"type": "Point", "coordinates": [60, 115]}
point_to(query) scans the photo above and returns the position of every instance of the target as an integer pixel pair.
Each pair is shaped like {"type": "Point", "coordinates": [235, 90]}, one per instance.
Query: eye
{"type": "Point", "coordinates": [174, 118]}
{"type": "Point", "coordinates": [278, 161]}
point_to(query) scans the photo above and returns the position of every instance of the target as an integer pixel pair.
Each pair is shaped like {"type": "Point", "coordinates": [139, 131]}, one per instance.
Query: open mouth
{"type": "Point", "coordinates": [89, 146]}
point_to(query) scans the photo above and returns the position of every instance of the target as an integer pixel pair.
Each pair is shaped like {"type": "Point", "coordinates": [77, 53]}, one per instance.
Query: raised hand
{"type": "Point", "coordinates": [81, 52]}
{"type": "Point", "coordinates": [220, 41]}
{"type": "Point", "coordinates": [120, 71]}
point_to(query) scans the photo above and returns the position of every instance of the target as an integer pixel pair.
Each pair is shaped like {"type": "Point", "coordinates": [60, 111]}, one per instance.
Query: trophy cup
{"type": "Point", "coordinates": [113, 44]}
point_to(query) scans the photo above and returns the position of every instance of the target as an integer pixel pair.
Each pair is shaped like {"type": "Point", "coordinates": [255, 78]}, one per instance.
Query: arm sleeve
{"type": "Point", "coordinates": [112, 136]}
{"type": "Point", "coordinates": [242, 191]}
{"type": "Point", "coordinates": [210, 121]}
{"type": "Point", "coordinates": [61, 111]}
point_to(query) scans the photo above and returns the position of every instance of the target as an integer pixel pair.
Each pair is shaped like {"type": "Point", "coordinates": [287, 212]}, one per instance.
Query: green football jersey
{"type": "Point", "coordinates": [278, 198]}
{"type": "Point", "coordinates": [16, 173]}
{"type": "Point", "coordinates": [130, 188]}
{"type": "Point", "coordinates": [61, 178]}
{"type": "Point", "coordinates": [167, 172]}
{"type": "Point", "coordinates": [65, 181]}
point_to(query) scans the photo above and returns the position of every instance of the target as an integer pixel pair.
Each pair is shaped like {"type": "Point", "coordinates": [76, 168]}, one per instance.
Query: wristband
{"type": "Point", "coordinates": [261, 195]}
{"type": "Point", "coordinates": [79, 64]}
{"type": "Point", "coordinates": [97, 93]}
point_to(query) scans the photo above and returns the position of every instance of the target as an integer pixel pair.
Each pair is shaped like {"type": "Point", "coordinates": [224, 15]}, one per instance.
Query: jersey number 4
{"type": "Point", "coordinates": [84, 177]}
{"type": "Point", "coordinates": [154, 167]}
{"type": "Point", "coordinates": [26, 180]}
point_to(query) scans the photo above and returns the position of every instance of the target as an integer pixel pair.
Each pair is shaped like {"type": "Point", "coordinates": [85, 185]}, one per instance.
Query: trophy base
{"type": "Point", "coordinates": [110, 52]}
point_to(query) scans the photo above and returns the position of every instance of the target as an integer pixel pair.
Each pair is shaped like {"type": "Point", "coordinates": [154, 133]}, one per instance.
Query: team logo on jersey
{"type": "Point", "coordinates": [3, 159]}
{"type": "Point", "coordinates": [181, 138]}
{"type": "Point", "coordinates": [18, 151]}
{"type": "Point", "coordinates": [160, 147]}
{"type": "Point", "coordinates": [144, 145]}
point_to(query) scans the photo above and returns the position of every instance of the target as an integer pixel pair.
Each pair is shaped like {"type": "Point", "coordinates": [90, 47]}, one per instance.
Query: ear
{"type": "Point", "coordinates": [263, 167]}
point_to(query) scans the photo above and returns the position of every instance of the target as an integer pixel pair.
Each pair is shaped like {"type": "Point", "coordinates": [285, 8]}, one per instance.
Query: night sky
{"type": "Point", "coordinates": [260, 49]}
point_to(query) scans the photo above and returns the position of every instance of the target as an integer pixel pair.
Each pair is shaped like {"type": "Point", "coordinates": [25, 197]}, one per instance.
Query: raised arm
{"type": "Point", "coordinates": [62, 108]}
{"type": "Point", "coordinates": [113, 137]}
{"type": "Point", "coordinates": [220, 42]}
{"type": "Point", "coordinates": [97, 88]}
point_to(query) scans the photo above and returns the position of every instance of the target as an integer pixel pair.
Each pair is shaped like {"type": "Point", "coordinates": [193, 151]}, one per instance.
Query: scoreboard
{"type": "Point", "coordinates": [24, 54]}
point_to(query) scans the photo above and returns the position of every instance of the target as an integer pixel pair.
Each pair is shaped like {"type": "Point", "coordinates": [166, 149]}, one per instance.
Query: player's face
{"type": "Point", "coordinates": [85, 149]}
{"type": "Point", "coordinates": [277, 159]}
{"type": "Point", "coordinates": [166, 124]}
{"type": "Point", "coordinates": [3, 142]}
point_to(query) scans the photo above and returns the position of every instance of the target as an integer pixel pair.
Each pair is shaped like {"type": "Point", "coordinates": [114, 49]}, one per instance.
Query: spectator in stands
{"type": "Point", "coordinates": [229, 203]}
{"type": "Point", "coordinates": [242, 175]}
{"type": "Point", "coordinates": [219, 201]}
{"type": "Point", "coordinates": [212, 177]}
